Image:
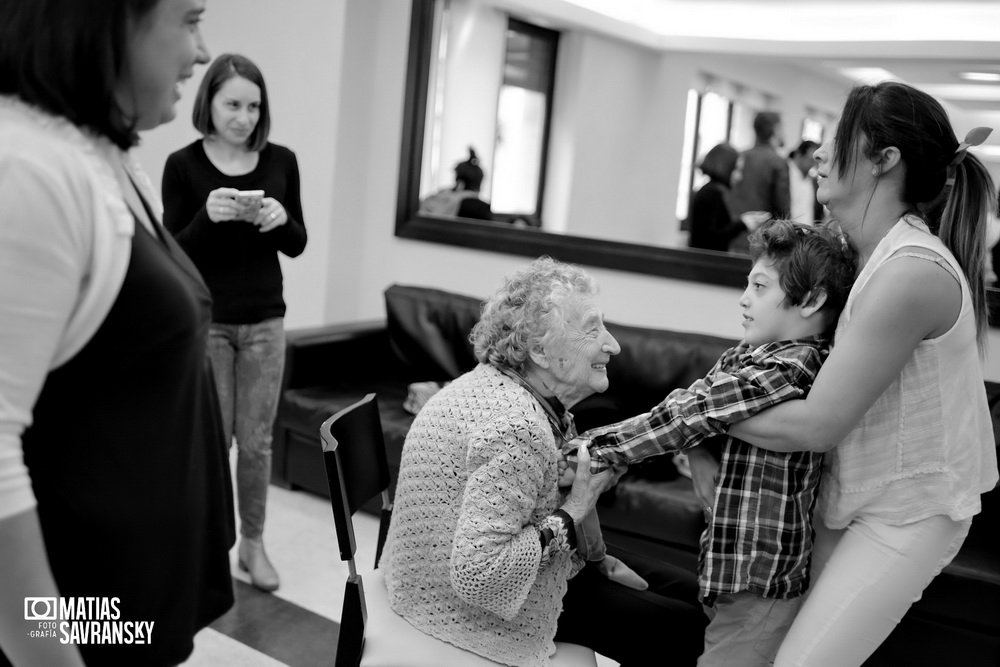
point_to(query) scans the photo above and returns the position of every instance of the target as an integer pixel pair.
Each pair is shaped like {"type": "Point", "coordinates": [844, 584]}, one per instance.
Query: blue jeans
{"type": "Point", "coordinates": [248, 361]}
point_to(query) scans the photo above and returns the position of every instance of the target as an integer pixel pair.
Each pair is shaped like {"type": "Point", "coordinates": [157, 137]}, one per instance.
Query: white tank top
{"type": "Point", "coordinates": [926, 446]}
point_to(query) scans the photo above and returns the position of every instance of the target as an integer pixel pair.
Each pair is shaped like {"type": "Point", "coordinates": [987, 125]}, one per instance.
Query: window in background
{"type": "Point", "coordinates": [523, 118]}
{"type": "Point", "coordinates": [742, 135]}
{"type": "Point", "coordinates": [815, 124]}
{"type": "Point", "coordinates": [688, 152]}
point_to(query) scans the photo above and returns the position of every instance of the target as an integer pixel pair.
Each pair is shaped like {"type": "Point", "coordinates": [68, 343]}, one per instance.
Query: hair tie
{"type": "Point", "coordinates": [976, 136]}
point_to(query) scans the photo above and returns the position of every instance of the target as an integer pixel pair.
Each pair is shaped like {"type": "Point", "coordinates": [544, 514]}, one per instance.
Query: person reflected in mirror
{"type": "Point", "coordinates": [483, 547]}
{"type": "Point", "coordinates": [115, 501]}
{"type": "Point", "coordinates": [462, 200]}
{"type": "Point", "coordinates": [236, 247]}
{"type": "Point", "coordinates": [802, 184]}
{"type": "Point", "coordinates": [899, 406]}
{"type": "Point", "coordinates": [711, 221]}
{"type": "Point", "coordinates": [754, 563]}
{"type": "Point", "coordinates": [760, 185]}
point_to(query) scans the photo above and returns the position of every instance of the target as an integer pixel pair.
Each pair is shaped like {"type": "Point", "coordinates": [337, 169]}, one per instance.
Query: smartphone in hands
{"type": "Point", "coordinates": [248, 204]}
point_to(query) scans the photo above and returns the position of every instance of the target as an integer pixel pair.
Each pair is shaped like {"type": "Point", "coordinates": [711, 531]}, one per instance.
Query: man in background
{"type": "Point", "coordinates": [760, 186]}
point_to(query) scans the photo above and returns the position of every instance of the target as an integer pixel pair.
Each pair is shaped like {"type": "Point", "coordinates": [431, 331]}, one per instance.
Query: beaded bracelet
{"type": "Point", "coordinates": [556, 534]}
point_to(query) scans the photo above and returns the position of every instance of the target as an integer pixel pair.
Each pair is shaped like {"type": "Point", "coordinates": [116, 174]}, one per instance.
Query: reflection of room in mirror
{"type": "Point", "coordinates": [522, 117]}
{"type": "Point", "coordinates": [623, 143]}
{"type": "Point", "coordinates": [718, 112]}
{"type": "Point", "coordinates": [615, 151]}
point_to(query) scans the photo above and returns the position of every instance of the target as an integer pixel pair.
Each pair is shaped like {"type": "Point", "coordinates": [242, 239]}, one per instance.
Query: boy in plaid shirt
{"type": "Point", "coordinates": [753, 567]}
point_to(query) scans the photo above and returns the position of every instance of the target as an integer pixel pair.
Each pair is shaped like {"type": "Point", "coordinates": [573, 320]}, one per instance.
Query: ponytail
{"type": "Point", "coordinates": [962, 228]}
{"type": "Point", "coordinates": [948, 187]}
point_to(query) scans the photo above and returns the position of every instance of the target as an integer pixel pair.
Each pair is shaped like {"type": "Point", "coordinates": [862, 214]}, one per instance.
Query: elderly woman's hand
{"type": "Point", "coordinates": [567, 464]}
{"type": "Point", "coordinates": [587, 488]}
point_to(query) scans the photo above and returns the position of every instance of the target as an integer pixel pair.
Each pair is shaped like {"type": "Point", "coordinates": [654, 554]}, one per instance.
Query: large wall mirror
{"type": "Point", "coordinates": [601, 155]}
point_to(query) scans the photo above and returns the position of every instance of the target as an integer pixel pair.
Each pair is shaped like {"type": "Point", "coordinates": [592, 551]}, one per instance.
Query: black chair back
{"type": "Point", "coordinates": [357, 469]}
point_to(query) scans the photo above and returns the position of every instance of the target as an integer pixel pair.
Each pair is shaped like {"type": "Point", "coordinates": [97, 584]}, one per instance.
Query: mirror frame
{"type": "Point", "coordinates": [702, 266]}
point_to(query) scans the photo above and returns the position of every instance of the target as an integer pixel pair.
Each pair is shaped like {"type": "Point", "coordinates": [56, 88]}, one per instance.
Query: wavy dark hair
{"type": "Point", "coordinates": [808, 259]}
{"type": "Point", "coordinates": [65, 56]}
{"type": "Point", "coordinates": [223, 68]}
{"type": "Point", "coordinates": [953, 199]}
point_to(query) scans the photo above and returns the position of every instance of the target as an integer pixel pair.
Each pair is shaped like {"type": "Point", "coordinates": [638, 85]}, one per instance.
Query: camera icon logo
{"type": "Point", "coordinates": [41, 609]}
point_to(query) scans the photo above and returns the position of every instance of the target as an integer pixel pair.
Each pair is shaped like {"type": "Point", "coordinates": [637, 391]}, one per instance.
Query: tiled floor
{"type": "Point", "coordinates": [297, 625]}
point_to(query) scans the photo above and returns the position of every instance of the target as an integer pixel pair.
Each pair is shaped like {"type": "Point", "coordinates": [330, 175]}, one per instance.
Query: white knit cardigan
{"type": "Point", "coordinates": [463, 557]}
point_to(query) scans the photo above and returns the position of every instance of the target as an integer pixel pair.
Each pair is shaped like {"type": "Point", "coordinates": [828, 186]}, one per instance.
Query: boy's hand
{"type": "Point", "coordinates": [567, 464]}
{"type": "Point", "coordinates": [616, 474]}
{"type": "Point", "coordinates": [705, 477]}
{"type": "Point", "coordinates": [570, 448]}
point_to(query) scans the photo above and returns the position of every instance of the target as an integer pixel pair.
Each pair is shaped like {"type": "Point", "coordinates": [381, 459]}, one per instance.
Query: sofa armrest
{"type": "Point", "coordinates": [346, 351]}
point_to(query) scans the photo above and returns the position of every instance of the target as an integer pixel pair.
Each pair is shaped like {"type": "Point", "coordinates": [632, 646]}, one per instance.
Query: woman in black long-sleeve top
{"type": "Point", "coordinates": [234, 240]}
{"type": "Point", "coordinates": [712, 225]}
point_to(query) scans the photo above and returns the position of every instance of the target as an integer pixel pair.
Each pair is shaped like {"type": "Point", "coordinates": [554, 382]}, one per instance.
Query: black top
{"type": "Point", "coordinates": [129, 467]}
{"type": "Point", "coordinates": [712, 226]}
{"type": "Point", "coordinates": [239, 263]}
{"type": "Point", "coordinates": [475, 208]}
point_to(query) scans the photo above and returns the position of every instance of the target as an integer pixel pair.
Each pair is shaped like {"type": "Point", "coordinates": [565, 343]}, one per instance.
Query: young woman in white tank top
{"type": "Point", "coordinates": [899, 405]}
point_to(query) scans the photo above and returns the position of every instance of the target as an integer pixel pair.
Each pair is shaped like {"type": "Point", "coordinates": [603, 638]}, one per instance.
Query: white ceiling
{"type": "Point", "coordinates": [923, 42]}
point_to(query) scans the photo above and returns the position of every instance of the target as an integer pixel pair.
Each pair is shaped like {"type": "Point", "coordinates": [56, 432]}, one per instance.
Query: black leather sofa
{"type": "Point", "coordinates": [653, 509]}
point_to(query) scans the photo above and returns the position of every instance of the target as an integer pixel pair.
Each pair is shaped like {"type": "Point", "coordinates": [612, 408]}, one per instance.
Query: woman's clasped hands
{"type": "Point", "coordinates": [222, 205]}
{"type": "Point", "coordinates": [585, 487]}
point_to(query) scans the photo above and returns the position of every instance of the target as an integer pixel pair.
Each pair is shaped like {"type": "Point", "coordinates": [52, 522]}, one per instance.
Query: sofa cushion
{"type": "Point", "coordinates": [652, 364]}
{"type": "Point", "coordinates": [304, 410]}
{"type": "Point", "coordinates": [665, 511]}
{"type": "Point", "coordinates": [429, 331]}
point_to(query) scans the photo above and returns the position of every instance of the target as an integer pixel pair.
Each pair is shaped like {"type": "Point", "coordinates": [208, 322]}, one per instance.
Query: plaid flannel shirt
{"type": "Point", "coordinates": [760, 535]}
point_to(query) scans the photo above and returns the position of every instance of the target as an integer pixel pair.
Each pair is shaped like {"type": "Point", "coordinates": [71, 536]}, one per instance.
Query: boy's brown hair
{"type": "Point", "coordinates": [808, 259]}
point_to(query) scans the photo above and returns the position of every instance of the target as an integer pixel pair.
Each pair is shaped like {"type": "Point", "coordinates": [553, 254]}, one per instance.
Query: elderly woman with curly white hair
{"type": "Point", "coordinates": [481, 550]}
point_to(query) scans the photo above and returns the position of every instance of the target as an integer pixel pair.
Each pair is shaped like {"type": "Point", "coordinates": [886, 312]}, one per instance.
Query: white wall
{"type": "Point", "coordinates": [335, 70]}
{"type": "Point", "coordinates": [619, 138]}
{"type": "Point", "coordinates": [300, 52]}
